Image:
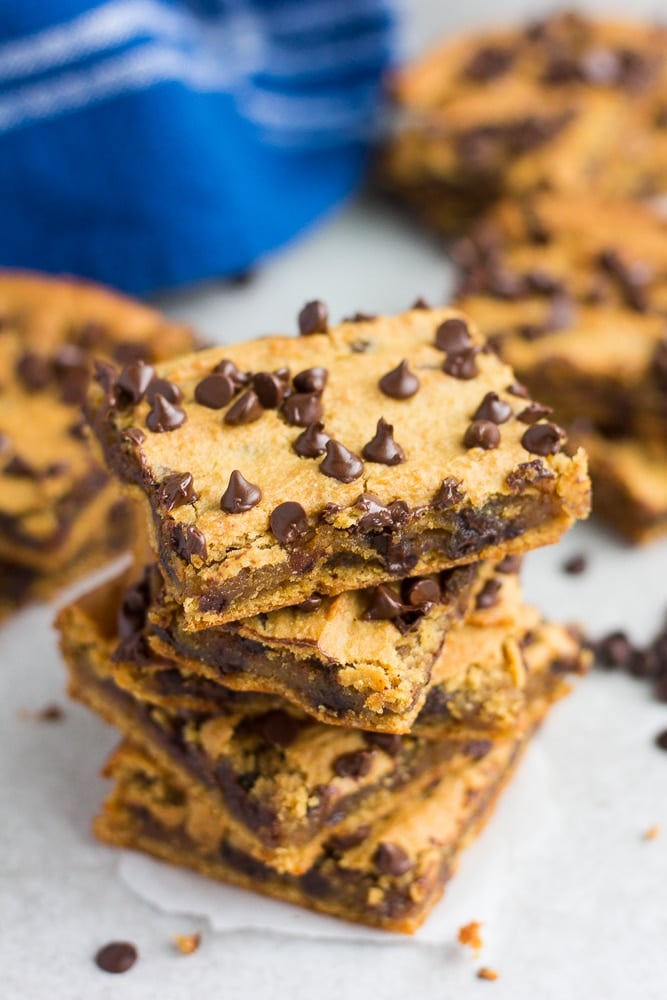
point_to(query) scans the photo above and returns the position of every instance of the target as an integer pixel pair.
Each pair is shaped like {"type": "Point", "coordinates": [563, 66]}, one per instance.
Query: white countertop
{"type": "Point", "coordinates": [572, 897]}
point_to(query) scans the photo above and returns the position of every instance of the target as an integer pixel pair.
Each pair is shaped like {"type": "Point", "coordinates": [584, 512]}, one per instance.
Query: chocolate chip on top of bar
{"type": "Point", "coordinates": [293, 456]}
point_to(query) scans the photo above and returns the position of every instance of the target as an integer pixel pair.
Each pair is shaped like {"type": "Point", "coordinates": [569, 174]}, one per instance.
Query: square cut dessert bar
{"type": "Point", "coordinates": [380, 449]}
{"type": "Point", "coordinates": [387, 873]}
{"type": "Point", "coordinates": [58, 510]}
{"type": "Point", "coordinates": [285, 781]}
{"type": "Point", "coordinates": [568, 104]}
{"type": "Point", "coordinates": [573, 294]}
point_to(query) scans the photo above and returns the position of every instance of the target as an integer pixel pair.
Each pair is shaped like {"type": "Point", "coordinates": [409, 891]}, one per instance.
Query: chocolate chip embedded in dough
{"type": "Point", "coordinates": [400, 382]}
{"type": "Point", "coordinates": [482, 434]}
{"type": "Point", "coordinates": [382, 448]}
{"type": "Point", "coordinates": [493, 408]}
{"type": "Point", "coordinates": [176, 490]}
{"type": "Point", "coordinates": [215, 391]}
{"type": "Point", "coordinates": [288, 522]}
{"type": "Point", "coordinates": [246, 410]}
{"type": "Point", "coordinates": [544, 439]}
{"type": "Point", "coordinates": [164, 416]}
{"type": "Point", "coordinates": [340, 463]}
{"type": "Point", "coordinates": [240, 495]}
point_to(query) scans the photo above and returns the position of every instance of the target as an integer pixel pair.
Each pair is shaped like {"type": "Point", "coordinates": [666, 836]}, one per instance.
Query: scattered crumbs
{"type": "Point", "coordinates": [187, 944]}
{"type": "Point", "coordinates": [50, 713]}
{"type": "Point", "coordinates": [576, 564]}
{"type": "Point", "coordinates": [652, 833]}
{"type": "Point", "coordinates": [116, 957]}
{"type": "Point", "coordinates": [470, 936]}
{"type": "Point", "coordinates": [486, 973]}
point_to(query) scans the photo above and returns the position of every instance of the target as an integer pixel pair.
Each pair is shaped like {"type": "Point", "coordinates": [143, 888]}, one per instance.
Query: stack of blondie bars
{"type": "Point", "coordinates": [323, 667]}
{"type": "Point", "coordinates": [542, 147]}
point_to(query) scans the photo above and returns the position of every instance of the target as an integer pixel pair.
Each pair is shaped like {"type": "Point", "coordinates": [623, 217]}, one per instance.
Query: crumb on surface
{"type": "Point", "coordinates": [51, 712]}
{"type": "Point", "coordinates": [187, 944]}
{"type": "Point", "coordinates": [470, 936]}
{"type": "Point", "coordinates": [652, 833]}
{"type": "Point", "coordinates": [576, 564]}
{"type": "Point", "coordinates": [486, 973]}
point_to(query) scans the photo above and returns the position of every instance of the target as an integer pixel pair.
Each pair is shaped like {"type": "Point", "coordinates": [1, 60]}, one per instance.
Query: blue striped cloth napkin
{"type": "Point", "coordinates": [151, 143]}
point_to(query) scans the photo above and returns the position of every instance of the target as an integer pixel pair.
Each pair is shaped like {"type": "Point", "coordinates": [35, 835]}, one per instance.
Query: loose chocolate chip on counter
{"type": "Point", "coordinates": [166, 388]}
{"type": "Point", "coordinates": [488, 595]}
{"type": "Point", "coordinates": [390, 743]}
{"type": "Point", "coordinates": [312, 603]}
{"type": "Point", "coordinates": [313, 318]}
{"type": "Point", "coordinates": [661, 740]}
{"type": "Point", "coordinates": [448, 495]}
{"type": "Point", "coordinates": [509, 564]}
{"type": "Point", "coordinates": [576, 565]}
{"type": "Point", "coordinates": [34, 371]}
{"type": "Point", "coordinates": [288, 522]}
{"type": "Point", "coordinates": [516, 389]}
{"type": "Point", "coordinates": [240, 495]}
{"type": "Point", "coordinates": [400, 382]}
{"type": "Point", "coordinates": [391, 859]}
{"type": "Point", "coordinates": [340, 463]}
{"type": "Point", "coordinates": [453, 335]}
{"type": "Point", "coordinates": [312, 442]}
{"type": "Point", "coordinates": [133, 381]}
{"type": "Point", "coordinates": [543, 439]}
{"type": "Point", "coordinates": [176, 490]}
{"type": "Point", "coordinates": [164, 416]}
{"type": "Point", "coordinates": [493, 408]}
{"type": "Point", "coordinates": [270, 389]}
{"type": "Point", "coordinates": [482, 434]}
{"type": "Point", "coordinates": [384, 605]}
{"type": "Point", "coordinates": [615, 650]}
{"type": "Point", "coordinates": [462, 364]}
{"type": "Point", "coordinates": [245, 410]}
{"type": "Point", "coordinates": [116, 957]}
{"type": "Point", "coordinates": [311, 380]}
{"type": "Point", "coordinates": [189, 542]}
{"type": "Point", "coordinates": [302, 409]}
{"type": "Point", "coordinates": [534, 412]}
{"type": "Point", "coordinates": [278, 727]}
{"type": "Point", "coordinates": [382, 448]}
{"type": "Point", "coordinates": [421, 591]}
{"type": "Point", "coordinates": [356, 764]}
{"type": "Point", "coordinates": [236, 377]}
{"type": "Point", "coordinates": [215, 391]}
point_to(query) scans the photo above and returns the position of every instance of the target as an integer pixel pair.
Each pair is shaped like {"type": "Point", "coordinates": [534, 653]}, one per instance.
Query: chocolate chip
{"type": "Point", "coordinates": [477, 749]}
{"type": "Point", "coordinates": [20, 468]}
{"type": "Point", "coordinates": [384, 605]}
{"type": "Point", "coordinates": [615, 650]}
{"type": "Point", "coordinates": [50, 713]}
{"type": "Point", "coordinates": [534, 412]}
{"type": "Point", "coordinates": [313, 318]}
{"type": "Point", "coordinates": [189, 541]}
{"type": "Point", "coordinates": [462, 364]}
{"type": "Point", "coordinates": [487, 63]}
{"type": "Point", "coordinates": [116, 957]}
{"type": "Point", "coordinates": [400, 382]}
{"type": "Point", "coordinates": [509, 564]}
{"type": "Point", "coordinates": [391, 859]}
{"type": "Point", "coordinates": [488, 595]}
{"type": "Point", "coordinates": [576, 565]}
{"type": "Point", "coordinates": [176, 490]}
{"type": "Point", "coordinates": [246, 410]}
{"type": "Point", "coordinates": [312, 442]}
{"type": "Point", "coordinates": [133, 381]}
{"type": "Point", "coordinates": [278, 727]}
{"type": "Point", "coordinates": [302, 409]}
{"type": "Point", "coordinates": [270, 389]}
{"type": "Point", "coordinates": [420, 303]}
{"type": "Point", "coordinates": [240, 495]}
{"type": "Point", "coordinates": [543, 439]}
{"type": "Point", "coordinates": [311, 380]}
{"type": "Point", "coordinates": [360, 317]}
{"type": "Point", "coordinates": [288, 522]}
{"type": "Point", "coordinates": [448, 495]}
{"type": "Point", "coordinates": [516, 389]}
{"type": "Point", "coordinates": [340, 463]}
{"type": "Point", "coordinates": [482, 434]}
{"type": "Point", "coordinates": [382, 448]}
{"type": "Point", "coordinates": [422, 591]}
{"type": "Point", "coordinates": [135, 435]}
{"type": "Point", "coordinates": [312, 603]}
{"type": "Point", "coordinates": [356, 764]}
{"type": "Point", "coordinates": [529, 474]}
{"type": "Point", "coordinates": [661, 740]}
{"type": "Point", "coordinates": [453, 335]}
{"type": "Point", "coordinates": [214, 391]}
{"type": "Point", "coordinates": [493, 408]}
{"type": "Point", "coordinates": [164, 416]}
{"type": "Point", "coordinates": [127, 351]}
{"type": "Point", "coordinates": [341, 842]}
{"type": "Point", "coordinates": [236, 377]}
{"type": "Point", "coordinates": [34, 371]}
{"type": "Point", "coordinates": [390, 743]}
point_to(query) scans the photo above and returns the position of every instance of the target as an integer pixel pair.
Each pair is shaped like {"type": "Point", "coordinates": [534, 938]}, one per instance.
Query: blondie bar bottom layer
{"type": "Point", "coordinates": [387, 875]}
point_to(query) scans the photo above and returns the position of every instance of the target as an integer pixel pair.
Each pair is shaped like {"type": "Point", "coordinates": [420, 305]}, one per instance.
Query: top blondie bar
{"type": "Point", "coordinates": [283, 468]}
